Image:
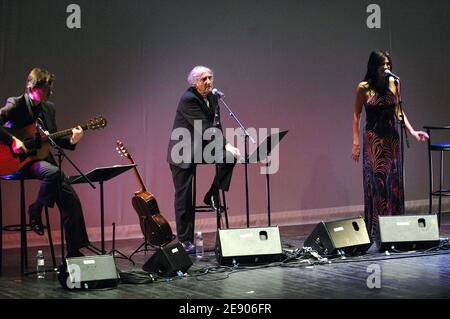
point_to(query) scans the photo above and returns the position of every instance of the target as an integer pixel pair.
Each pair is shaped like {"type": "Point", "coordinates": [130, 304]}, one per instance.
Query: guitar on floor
{"type": "Point", "coordinates": [154, 226]}
{"type": "Point", "coordinates": [11, 162]}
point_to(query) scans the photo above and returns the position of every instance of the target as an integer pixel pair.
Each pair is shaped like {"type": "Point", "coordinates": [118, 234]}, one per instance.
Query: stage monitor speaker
{"type": "Point", "coordinates": [89, 272]}
{"type": "Point", "coordinates": [168, 260]}
{"type": "Point", "coordinates": [408, 232]}
{"type": "Point", "coordinates": [347, 235]}
{"type": "Point", "coordinates": [248, 245]}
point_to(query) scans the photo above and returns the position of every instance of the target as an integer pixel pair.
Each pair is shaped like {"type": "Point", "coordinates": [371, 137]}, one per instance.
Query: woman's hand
{"type": "Point", "coordinates": [421, 136]}
{"type": "Point", "coordinates": [356, 151]}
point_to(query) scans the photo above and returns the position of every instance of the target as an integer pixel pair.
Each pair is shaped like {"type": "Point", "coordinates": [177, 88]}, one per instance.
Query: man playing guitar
{"type": "Point", "coordinates": [21, 112]}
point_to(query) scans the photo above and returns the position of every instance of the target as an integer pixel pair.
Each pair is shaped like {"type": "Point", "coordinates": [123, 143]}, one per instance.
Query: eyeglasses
{"type": "Point", "coordinates": [209, 77]}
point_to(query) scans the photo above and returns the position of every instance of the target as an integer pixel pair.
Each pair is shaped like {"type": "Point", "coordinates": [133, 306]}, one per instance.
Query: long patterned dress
{"type": "Point", "coordinates": [382, 167]}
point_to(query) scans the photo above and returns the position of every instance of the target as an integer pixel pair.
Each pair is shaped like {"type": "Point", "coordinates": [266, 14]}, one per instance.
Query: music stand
{"type": "Point", "coordinates": [261, 153]}
{"type": "Point", "coordinates": [101, 175]}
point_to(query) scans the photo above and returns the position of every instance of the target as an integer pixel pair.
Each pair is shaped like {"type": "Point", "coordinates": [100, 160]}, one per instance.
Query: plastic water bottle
{"type": "Point", "coordinates": [199, 249]}
{"type": "Point", "coordinates": [40, 266]}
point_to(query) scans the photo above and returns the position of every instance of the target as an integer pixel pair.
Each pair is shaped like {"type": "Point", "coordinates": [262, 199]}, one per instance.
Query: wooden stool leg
{"type": "Point", "coordinates": [1, 229]}
{"type": "Point", "coordinates": [23, 230]}
{"type": "Point", "coordinates": [194, 190]}
{"type": "Point", "coordinates": [50, 239]}
{"type": "Point", "coordinates": [441, 177]}
{"type": "Point", "coordinates": [225, 209]}
{"type": "Point", "coordinates": [430, 174]}
{"type": "Point", "coordinates": [61, 221]}
{"type": "Point", "coordinates": [219, 218]}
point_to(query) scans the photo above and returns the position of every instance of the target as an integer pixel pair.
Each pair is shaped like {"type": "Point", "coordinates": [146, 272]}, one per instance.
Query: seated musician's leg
{"type": "Point", "coordinates": [69, 204]}
{"type": "Point", "coordinates": [222, 180]}
{"type": "Point", "coordinates": [49, 175]}
{"type": "Point", "coordinates": [184, 211]}
{"type": "Point", "coordinates": [74, 225]}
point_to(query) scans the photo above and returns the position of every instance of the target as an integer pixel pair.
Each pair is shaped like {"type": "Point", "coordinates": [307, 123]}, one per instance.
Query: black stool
{"type": "Point", "coordinates": [23, 227]}
{"type": "Point", "coordinates": [441, 191]}
{"type": "Point", "coordinates": [204, 208]}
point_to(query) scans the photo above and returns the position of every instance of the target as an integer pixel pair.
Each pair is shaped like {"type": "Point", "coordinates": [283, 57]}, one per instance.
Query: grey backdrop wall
{"type": "Point", "coordinates": [283, 64]}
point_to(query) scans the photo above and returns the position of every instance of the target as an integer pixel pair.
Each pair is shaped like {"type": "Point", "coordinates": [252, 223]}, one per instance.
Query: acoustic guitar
{"type": "Point", "coordinates": [37, 144]}
{"type": "Point", "coordinates": [154, 226]}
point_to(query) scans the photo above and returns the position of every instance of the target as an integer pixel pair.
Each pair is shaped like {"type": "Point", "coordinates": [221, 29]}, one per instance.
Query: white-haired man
{"type": "Point", "coordinates": [198, 111]}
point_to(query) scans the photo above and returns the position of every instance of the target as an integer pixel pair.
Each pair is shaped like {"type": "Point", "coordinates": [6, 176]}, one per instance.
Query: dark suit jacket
{"type": "Point", "coordinates": [17, 113]}
{"type": "Point", "coordinates": [190, 108]}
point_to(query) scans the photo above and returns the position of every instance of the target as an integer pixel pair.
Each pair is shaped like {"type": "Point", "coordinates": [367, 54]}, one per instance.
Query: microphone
{"type": "Point", "coordinates": [37, 137]}
{"type": "Point", "coordinates": [216, 92]}
{"type": "Point", "coordinates": [40, 126]}
{"type": "Point", "coordinates": [389, 73]}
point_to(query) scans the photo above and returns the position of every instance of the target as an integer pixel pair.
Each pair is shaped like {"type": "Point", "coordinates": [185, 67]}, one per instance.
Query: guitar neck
{"type": "Point", "coordinates": [66, 132]}
{"type": "Point", "coordinates": [138, 177]}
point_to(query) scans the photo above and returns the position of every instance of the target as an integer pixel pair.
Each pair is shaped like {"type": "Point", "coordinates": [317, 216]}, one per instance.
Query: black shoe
{"type": "Point", "coordinates": [34, 214]}
{"type": "Point", "coordinates": [189, 247]}
{"type": "Point", "coordinates": [212, 199]}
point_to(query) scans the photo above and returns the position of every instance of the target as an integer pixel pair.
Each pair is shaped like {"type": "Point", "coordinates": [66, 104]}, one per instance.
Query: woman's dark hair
{"type": "Point", "coordinates": [376, 60]}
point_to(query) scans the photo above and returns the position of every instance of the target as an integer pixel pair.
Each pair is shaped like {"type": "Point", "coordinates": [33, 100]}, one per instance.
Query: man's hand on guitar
{"type": "Point", "coordinates": [18, 147]}
{"type": "Point", "coordinates": [77, 134]}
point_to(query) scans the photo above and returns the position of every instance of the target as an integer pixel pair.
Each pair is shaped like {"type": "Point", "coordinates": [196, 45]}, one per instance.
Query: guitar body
{"type": "Point", "coordinates": [10, 162]}
{"type": "Point", "coordinates": [154, 226]}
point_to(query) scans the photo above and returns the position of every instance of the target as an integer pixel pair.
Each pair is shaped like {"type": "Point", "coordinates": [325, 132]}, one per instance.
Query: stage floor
{"type": "Point", "coordinates": [402, 275]}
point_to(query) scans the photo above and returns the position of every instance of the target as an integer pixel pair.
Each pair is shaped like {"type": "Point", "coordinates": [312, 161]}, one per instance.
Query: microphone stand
{"type": "Point", "coordinates": [61, 155]}
{"type": "Point", "coordinates": [246, 137]}
{"type": "Point", "coordinates": [402, 131]}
